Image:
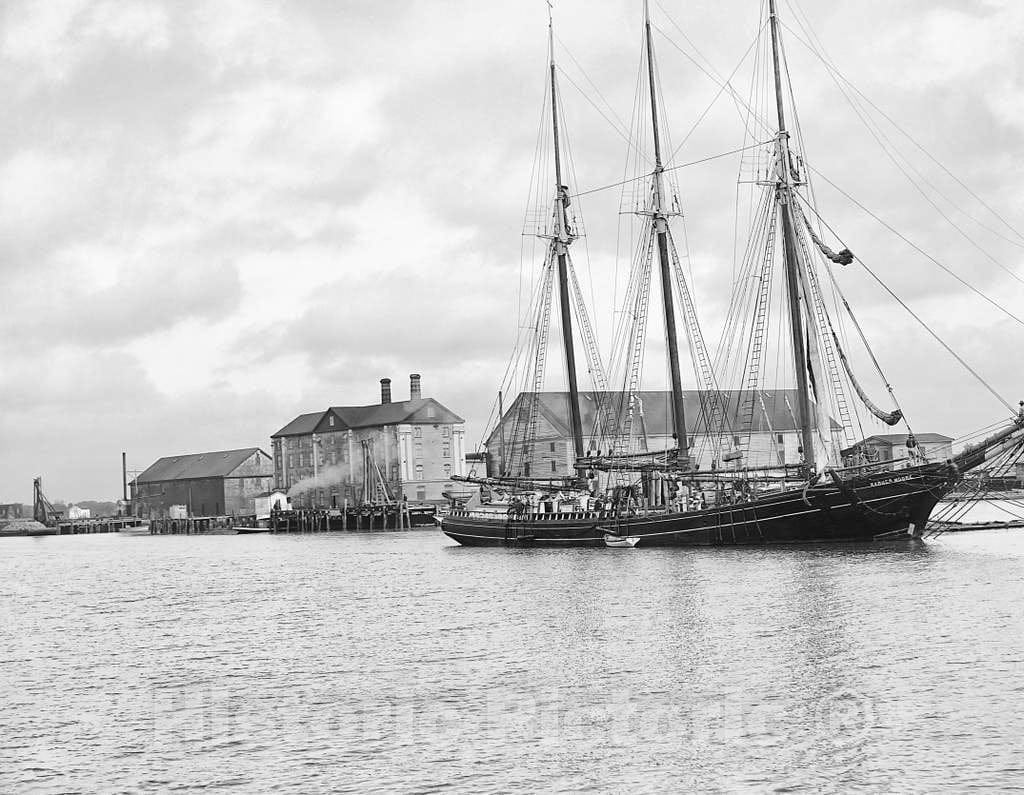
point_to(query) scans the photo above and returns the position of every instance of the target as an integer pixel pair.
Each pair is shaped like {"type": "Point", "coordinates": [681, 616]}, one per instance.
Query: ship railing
{"type": "Point", "coordinates": [546, 516]}
{"type": "Point", "coordinates": [558, 516]}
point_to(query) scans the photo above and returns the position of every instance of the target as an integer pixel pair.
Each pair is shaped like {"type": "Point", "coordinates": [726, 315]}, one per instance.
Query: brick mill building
{"type": "Point", "coordinates": [221, 483]}
{"type": "Point", "coordinates": [351, 453]}
{"type": "Point", "coordinates": [770, 417]}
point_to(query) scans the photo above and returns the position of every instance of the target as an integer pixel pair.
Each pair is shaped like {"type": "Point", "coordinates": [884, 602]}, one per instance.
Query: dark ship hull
{"type": "Point", "coordinates": [862, 508]}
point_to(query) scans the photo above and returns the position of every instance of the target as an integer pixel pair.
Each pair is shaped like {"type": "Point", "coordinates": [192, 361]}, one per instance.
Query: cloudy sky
{"type": "Point", "coordinates": [216, 215]}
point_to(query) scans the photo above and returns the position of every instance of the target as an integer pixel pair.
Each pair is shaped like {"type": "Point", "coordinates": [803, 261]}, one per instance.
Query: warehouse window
{"type": "Point", "coordinates": [446, 449]}
{"type": "Point", "coordinates": [554, 466]}
{"type": "Point", "coordinates": [417, 432]}
{"type": "Point", "coordinates": [551, 447]}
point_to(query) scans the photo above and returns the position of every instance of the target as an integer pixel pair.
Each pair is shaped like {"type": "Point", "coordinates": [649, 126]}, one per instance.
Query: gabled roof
{"type": "Point", "coordinates": [301, 425]}
{"type": "Point", "coordinates": [197, 465]}
{"type": "Point", "coordinates": [421, 410]}
{"type": "Point", "coordinates": [781, 406]}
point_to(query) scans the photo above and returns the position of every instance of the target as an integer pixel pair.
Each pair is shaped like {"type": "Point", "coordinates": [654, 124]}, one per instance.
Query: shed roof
{"type": "Point", "coordinates": [781, 410]}
{"type": "Point", "coordinates": [220, 463]}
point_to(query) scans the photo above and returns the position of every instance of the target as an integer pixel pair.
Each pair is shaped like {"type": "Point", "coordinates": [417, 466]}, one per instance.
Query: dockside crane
{"type": "Point", "coordinates": [42, 509]}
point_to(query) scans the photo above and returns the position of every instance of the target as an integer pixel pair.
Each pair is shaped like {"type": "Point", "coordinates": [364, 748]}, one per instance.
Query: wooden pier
{"type": "Point", "coordinates": [80, 526]}
{"type": "Point", "coordinates": [394, 516]}
{"type": "Point", "coordinates": [364, 518]}
{"type": "Point", "coordinates": [200, 525]}
{"type": "Point", "coordinates": [72, 528]}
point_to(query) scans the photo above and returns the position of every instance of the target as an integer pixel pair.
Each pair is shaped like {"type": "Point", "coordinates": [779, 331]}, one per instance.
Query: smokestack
{"type": "Point", "coordinates": [385, 391]}
{"type": "Point", "coordinates": [124, 474]}
{"type": "Point", "coordinates": [414, 386]}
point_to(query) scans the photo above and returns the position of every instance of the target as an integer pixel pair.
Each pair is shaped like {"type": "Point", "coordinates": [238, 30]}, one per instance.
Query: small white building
{"type": "Point", "coordinates": [75, 513]}
{"type": "Point", "coordinates": [271, 500]}
{"type": "Point", "coordinates": [893, 447]}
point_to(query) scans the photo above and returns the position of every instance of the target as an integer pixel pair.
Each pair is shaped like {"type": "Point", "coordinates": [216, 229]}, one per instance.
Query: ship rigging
{"type": "Point", "coordinates": [711, 486]}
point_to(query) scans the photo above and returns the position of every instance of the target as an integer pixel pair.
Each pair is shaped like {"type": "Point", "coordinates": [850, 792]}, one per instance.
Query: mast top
{"type": "Point", "coordinates": [551, 32]}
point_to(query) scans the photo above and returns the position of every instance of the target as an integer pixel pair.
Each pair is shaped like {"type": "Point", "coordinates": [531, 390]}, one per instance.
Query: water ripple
{"type": "Point", "coordinates": [384, 662]}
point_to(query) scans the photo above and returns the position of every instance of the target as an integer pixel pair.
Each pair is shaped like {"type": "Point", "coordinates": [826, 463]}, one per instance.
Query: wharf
{"type": "Point", "coordinates": [29, 527]}
{"type": "Point", "coordinates": [310, 520]}
{"type": "Point", "coordinates": [200, 525]}
{"type": "Point", "coordinates": [961, 527]}
{"type": "Point", "coordinates": [396, 516]}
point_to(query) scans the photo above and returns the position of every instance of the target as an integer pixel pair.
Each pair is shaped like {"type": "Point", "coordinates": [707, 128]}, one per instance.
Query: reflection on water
{"type": "Point", "coordinates": [401, 662]}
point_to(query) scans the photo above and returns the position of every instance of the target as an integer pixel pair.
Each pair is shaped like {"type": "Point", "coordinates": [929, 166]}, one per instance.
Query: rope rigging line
{"type": "Point", "coordinates": [916, 317]}
{"type": "Point", "coordinates": [608, 105]}
{"type": "Point", "coordinates": [845, 258]}
{"type": "Point", "coordinates": [670, 168]}
{"type": "Point", "coordinates": [914, 246]}
{"type": "Point", "coordinates": [879, 137]}
{"type": "Point", "coordinates": [723, 84]}
{"type": "Point", "coordinates": [601, 113]}
{"type": "Point", "coordinates": [836, 73]}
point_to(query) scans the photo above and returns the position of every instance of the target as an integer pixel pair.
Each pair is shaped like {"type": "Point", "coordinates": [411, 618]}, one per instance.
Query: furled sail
{"type": "Point", "coordinates": [888, 417]}
{"type": "Point", "coordinates": [824, 455]}
{"type": "Point", "coordinates": [844, 257]}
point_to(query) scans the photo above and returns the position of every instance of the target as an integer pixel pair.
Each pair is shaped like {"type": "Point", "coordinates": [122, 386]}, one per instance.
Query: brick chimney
{"type": "Point", "coordinates": [385, 391]}
{"type": "Point", "coordinates": [414, 387]}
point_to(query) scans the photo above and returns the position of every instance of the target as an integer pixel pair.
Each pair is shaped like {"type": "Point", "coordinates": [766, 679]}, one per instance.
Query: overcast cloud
{"type": "Point", "coordinates": [217, 215]}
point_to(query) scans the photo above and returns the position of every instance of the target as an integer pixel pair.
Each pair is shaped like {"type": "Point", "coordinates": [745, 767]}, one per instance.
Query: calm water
{"type": "Point", "coordinates": [357, 663]}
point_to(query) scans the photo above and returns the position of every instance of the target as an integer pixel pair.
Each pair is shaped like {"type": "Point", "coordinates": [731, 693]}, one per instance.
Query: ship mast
{"type": "Point", "coordinates": [784, 197]}
{"type": "Point", "coordinates": [661, 230]}
{"type": "Point", "coordinates": [560, 244]}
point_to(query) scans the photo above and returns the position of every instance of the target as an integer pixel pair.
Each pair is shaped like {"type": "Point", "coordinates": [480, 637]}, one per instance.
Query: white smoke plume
{"type": "Point", "coordinates": [326, 477]}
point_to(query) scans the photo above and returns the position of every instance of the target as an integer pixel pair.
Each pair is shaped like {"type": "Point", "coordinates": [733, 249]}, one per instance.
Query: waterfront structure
{"type": "Point", "coordinates": [220, 483]}
{"type": "Point", "coordinates": [12, 510]}
{"type": "Point", "coordinates": [893, 447]}
{"type": "Point", "coordinates": [75, 513]}
{"type": "Point", "coordinates": [769, 418]}
{"type": "Point", "coordinates": [370, 454]}
{"type": "Point", "coordinates": [273, 500]}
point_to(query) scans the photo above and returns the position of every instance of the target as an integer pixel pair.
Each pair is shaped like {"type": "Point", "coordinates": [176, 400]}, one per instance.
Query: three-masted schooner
{"type": "Point", "coordinates": [622, 497]}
